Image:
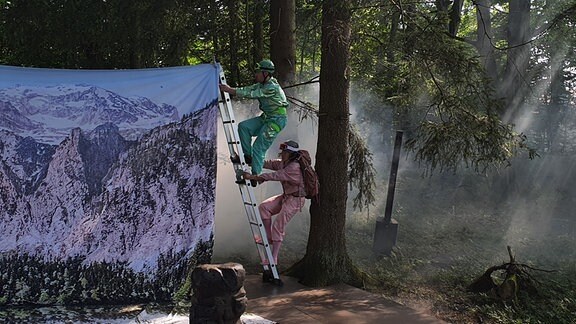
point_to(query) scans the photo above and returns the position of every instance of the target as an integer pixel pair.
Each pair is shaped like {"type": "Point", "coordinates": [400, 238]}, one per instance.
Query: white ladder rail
{"type": "Point", "coordinates": [246, 189]}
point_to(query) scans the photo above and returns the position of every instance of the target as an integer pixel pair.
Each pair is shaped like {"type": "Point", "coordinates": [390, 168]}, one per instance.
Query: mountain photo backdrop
{"type": "Point", "coordinates": [107, 182]}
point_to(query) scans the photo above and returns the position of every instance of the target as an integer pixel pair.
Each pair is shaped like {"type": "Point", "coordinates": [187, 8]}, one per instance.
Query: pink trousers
{"type": "Point", "coordinates": [284, 207]}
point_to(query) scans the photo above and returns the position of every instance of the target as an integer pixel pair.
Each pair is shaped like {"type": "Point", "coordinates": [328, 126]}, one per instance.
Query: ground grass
{"type": "Point", "coordinates": [432, 270]}
{"type": "Point", "coordinates": [449, 238]}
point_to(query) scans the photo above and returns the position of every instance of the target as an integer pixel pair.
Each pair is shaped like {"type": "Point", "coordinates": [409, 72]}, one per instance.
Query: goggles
{"type": "Point", "coordinates": [286, 147]}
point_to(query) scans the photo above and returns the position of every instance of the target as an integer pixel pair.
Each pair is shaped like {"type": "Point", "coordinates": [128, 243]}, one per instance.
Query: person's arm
{"type": "Point", "coordinates": [249, 176]}
{"type": "Point", "coordinates": [290, 173]}
{"type": "Point", "coordinates": [255, 91]}
{"type": "Point", "coordinates": [227, 88]}
{"type": "Point", "coordinates": [268, 164]}
{"type": "Point", "coordinates": [273, 164]}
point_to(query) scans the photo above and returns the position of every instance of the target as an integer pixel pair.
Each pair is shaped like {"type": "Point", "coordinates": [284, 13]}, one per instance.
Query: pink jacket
{"type": "Point", "coordinates": [290, 176]}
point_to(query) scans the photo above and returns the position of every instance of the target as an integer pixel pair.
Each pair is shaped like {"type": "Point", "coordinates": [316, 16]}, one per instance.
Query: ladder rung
{"type": "Point", "coordinates": [249, 203]}
{"type": "Point", "coordinates": [234, 142]}
{"type": "Point", "coordinates": [262, 243]}
{"type": "Point", "coordinates": [229, 121]}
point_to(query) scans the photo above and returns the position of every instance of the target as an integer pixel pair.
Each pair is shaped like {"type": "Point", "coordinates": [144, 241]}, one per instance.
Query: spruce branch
{"type": "Point", "coordinates": [361, 172]}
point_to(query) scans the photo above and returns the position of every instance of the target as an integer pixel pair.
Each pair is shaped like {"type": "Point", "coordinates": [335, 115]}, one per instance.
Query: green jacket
{"type": "Point", "coordinates": [270, 95]}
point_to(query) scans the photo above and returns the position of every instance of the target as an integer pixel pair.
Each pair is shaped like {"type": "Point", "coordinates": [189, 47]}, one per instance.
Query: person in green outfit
{"type": "Point", "coordinates": [268, 125]}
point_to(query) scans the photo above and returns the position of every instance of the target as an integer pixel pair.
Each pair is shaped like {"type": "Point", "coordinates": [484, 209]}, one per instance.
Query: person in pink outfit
{"type": "Point", "coordinates": [286, 205]}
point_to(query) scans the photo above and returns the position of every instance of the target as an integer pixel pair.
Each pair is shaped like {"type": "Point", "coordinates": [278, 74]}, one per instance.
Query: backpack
{"type": "Point", "coordinates": [311, 184]}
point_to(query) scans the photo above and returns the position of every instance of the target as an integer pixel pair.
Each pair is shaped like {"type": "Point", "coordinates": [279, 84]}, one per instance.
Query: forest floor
{"type": "Point", "coordinates": [445, 244]}
{"type": "Point", "coordinates": [430, 270]}
{"type": "Point", "coordinates": [451, 230]}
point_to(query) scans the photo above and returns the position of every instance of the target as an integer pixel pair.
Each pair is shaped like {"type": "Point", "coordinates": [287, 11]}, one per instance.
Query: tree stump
{"type": "Point", "coordinates": [218, 294]}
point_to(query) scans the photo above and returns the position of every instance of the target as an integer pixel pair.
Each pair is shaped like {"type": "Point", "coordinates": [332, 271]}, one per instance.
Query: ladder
{"type": "Point", "coordinates": [246, 188]}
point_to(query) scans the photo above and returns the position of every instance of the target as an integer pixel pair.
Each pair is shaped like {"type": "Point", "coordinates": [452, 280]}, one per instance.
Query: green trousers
{"type": "Point", "coordinates": [265, 129]}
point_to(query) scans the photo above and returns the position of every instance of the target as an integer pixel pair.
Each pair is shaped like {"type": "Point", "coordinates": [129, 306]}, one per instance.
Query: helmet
{"type": "Point", "coordinates": [265, 66]}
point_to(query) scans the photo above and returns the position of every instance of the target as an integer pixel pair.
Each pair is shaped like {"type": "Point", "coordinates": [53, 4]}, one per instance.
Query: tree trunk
{"type": "Point", "coordinates": [483, 39]}
{"type": "Point", "coordinates": [453, 14]}
{"type": "Point", "coordinates": [302, 53]}
{"type": "Point", "coordinates": [558, 93]}
{"type": "Point", "coordinates": [455, 17]}
{"type": "Point", "coordinates": [214, 12]}
{"type": "Point", "coordinates": [283, 54]}
{"type": "Point", "coordinates": [326, 260]}
{"type": "Point", "coordinates": [258, 31]}
{"type": "Point", "coordinates": [442, 5]}
{"type": "Point", "coordinates": [556, 109]}
{"type": "Point", "coordinates": [282, 40]}
{"type": "Point", "coordinates": [391, 48]}
{"type": "Point", "coordinates": [515, 81]}
{"type": "Point", "coordinates": [233, 36]}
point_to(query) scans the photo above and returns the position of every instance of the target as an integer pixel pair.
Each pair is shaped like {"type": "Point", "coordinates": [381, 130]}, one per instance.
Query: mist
{"type": "Point", "coordinates": [527, 205]}
{"type": "Point", "coordinates": [233, 240]}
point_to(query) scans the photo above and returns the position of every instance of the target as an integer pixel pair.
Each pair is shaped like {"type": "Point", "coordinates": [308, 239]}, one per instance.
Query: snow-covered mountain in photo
{"type": "Point", "coordinates": [49, 113]}
{"type": "Point", "coordinates": [103, 198]}
{"type": "Point", "coordinates": [107, 182]}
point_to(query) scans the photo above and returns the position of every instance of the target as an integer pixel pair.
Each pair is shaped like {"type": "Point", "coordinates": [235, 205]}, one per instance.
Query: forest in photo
{"type": "Point", "coordinates": [483, 90]}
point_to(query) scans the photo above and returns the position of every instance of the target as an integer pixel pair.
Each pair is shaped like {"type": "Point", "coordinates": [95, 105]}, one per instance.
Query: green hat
{"type": "Point", "coordinates": [265, 66]}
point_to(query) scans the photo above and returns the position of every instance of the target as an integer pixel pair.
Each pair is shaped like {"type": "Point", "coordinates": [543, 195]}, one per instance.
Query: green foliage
{"type": "Point", "coordinates": [96, 34]}
{"type": "Point", "coordinates": [468, 23]}
{"type": "Point", "coordinates": [361, 173]}
{"type": "Point", "coordinates": [308, 19]}
{"type": "Point", "coordinates": [459, 115]}
{"type": "Point", "coordinates": [437, 88]}
{"type": "Point", "coordinates": [433, 83]}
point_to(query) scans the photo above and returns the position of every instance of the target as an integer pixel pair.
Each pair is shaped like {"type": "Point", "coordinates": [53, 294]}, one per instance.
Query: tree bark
{"type": "Point", "coordinates": [234, 41]}
{"type": "Point", "coordinates": [214, 12]}
{"type": "Point", "coordinates": [258, 31]}
{"type": "Point", "coordinates": [453, 13]}
{"type": "Point", "coordinates": [455, 17]}
{"type": "Point", "coordinates": [515, 81]}
{"type": "Point", "coordinates": [283, 54]}
{"type": "Point", "coordinates": [282, 40]}
{"type": "Point", "coordinates": [390, 49]}
{"type": "Point", "coordinates": [483, 38]}
{"type": "Point", "coordinates": [326, 260]}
